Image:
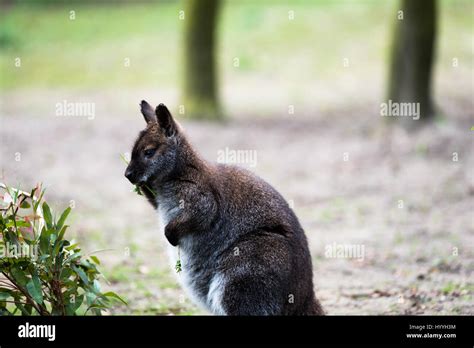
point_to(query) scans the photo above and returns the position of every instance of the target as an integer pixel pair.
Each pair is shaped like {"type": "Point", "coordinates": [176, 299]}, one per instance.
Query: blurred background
{"type": "Point", "coordinates": [300, 83]}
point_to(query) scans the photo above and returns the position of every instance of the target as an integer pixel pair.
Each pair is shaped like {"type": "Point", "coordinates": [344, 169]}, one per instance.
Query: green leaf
{"type": "Point", "coordinates": [96, 286]}
{"type": "Point", "coordinates": [81, 274]}
{"type": "Point", "coordinates": [5, 293]}
{"type": "Point", "coordinates": [63, 217]}
{"type": "Point", "coordinates": [52, 237]}
{"type": "Point", "coordinates": [25, 205]}
{"type": "Point", "coordinates": [72, 246]}
{"type": "Point", "coordinates": [78, 301]}
{"type": "Point", "coordinates": [178, 266]}
{"type": "Point", "coordinates": [10, 224]}
{"type": "Point", "coordinates": [15, 195]}
{"type": "Point", "coordinates": [58, 247]}
{"type": "Point", "coordinates": [19, 276]}
{"type": "Point", "coordinates": [22, 309]}
{"type": "Point", "coordinates": [95, 259]}
{"type": "Point", "coordinates": [65, 274]}
{"type": "Point", "coordinates": [97, 309]}
{"type": "Point", "coordinates": [61, 233]}
{"type": "Point", "coordinates": [90, 297]}
{"type": "Point", "coordinates": [4, 312]}
{"type": "Point", "coordinates": [48, 218]}
{"type": "Point", "coordinates": [29, 308]}
{"type": "Point", "coordinates": [44, 243]}
{"type": "Point", "coordinates": [137, 190]}
{"type": "Point", "coordinates": [34, 289]}
{"type": "Point", "coordinates": [90, 267]}
{"type": "Point", "coordinates": [38, 201]}
{"type": "Point", "coordinates": [115, 296]}
{"type": "Point", "coordinates": [74, 304]}
{"type": "Point", "coordinates": [72, 257]}
{"type": "Point", "coordinates": [21, 223]}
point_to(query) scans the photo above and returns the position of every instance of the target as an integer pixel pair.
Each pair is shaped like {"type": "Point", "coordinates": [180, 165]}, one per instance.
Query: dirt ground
{"type": "Point", "coordinates": [404, 198]}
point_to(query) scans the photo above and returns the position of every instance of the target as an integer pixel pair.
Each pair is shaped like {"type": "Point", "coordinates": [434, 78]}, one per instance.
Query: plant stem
{"type": "Point", "coordinates": [39, 308]}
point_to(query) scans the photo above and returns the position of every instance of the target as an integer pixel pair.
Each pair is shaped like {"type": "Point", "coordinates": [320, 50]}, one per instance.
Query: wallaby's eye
{"type": "Point", "coordinates": [149, 152]}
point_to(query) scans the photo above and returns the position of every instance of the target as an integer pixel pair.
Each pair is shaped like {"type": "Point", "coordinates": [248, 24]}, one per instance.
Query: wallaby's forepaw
{"type": "Point", "coordinates": [172, 235]}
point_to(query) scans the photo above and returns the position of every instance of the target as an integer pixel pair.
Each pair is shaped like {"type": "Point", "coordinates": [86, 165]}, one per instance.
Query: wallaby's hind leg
{"type": "Point", "coordinates": [255, 295]}
{"type": "Point", "coordinates": [248, 295]}
{"type": "Point", "coordinates": [264, 276]}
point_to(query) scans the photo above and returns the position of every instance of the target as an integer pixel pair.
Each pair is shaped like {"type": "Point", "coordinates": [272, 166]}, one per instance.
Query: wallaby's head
{"type": "Point", "coordinates": [154, 154]}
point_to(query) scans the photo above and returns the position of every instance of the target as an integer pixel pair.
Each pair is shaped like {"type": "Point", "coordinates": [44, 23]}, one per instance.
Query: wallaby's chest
{"type": "Point", "coordinates": [192, 278]}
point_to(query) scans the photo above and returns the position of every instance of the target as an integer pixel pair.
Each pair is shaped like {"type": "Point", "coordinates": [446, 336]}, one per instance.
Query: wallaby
{"type": "Point", "coordinates": [242, 249]}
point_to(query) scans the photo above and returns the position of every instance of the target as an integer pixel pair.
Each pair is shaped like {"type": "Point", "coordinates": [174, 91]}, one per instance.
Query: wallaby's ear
{"type": "Point", "coordinates": [148, 112]}
{"type": "Point", "coordinates": [165, 120]}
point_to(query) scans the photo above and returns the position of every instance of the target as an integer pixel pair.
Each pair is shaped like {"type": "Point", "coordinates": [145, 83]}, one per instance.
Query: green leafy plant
{"type": "Point", "coordinates": [42, 273]}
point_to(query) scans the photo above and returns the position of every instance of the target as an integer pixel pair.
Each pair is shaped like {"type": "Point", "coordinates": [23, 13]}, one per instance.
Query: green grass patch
{"type": "Point", "coordinates": [93, 50]}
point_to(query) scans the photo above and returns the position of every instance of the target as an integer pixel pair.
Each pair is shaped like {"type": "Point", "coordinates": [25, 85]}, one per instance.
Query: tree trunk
{"type": "Point", "coordinates": [412, 57]}
{"type": "Point", "coordinates": [200, 78]}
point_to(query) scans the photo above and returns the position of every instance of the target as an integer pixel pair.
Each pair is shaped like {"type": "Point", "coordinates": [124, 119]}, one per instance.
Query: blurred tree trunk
{"type": "Point", "coordinates": [413, 55]}
{"type": "Point", "coordinates": [200, 78]}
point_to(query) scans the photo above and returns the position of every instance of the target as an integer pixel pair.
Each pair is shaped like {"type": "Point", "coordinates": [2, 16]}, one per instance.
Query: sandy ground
{"type": "Point", "coordinates": [397, 196]}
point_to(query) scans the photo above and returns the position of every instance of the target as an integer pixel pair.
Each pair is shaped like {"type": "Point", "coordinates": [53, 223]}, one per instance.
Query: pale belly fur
{"type": "Point", "coordinates": [213, 301]}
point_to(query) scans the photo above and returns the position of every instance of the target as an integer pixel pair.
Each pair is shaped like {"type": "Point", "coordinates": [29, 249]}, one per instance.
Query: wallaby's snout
{"type": "Point", "coordinates": [130, 174]}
